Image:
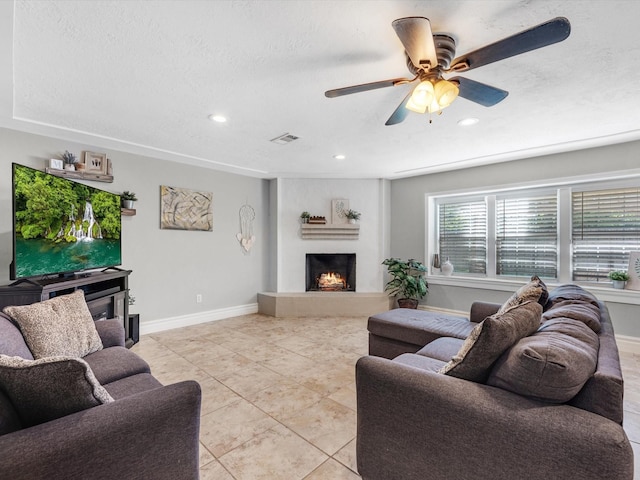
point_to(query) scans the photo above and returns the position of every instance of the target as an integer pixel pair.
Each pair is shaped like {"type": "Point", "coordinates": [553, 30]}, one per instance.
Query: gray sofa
{"type": "Point", "coordinates": [147, 431]}
{"type": "Point", "coordinates": [419, 420]}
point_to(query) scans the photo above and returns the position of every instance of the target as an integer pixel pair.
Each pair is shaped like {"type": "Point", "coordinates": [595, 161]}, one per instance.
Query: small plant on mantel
{"type": "Point", "coordinates": [352, 215]}
{"type": "Point", "coordinates": [305, 216]}
{"type": "Point", "coordinates": [408, 281]}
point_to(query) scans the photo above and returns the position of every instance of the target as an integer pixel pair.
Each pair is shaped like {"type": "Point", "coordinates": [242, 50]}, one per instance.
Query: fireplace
{"type": "Point", "coordinates": [330, 272]}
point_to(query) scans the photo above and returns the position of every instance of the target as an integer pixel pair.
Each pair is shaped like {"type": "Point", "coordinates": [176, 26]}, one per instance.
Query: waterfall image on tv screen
{"type": "Point", "coordinates": [62, 226]}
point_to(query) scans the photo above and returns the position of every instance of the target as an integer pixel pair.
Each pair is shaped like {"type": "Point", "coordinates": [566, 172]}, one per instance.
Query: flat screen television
{"type": "Point", "coordinates": [61, 226]}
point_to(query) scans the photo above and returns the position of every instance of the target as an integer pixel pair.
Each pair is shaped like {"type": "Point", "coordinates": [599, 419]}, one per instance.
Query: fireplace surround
{"type": "Point", "coordinates": [330, 272]}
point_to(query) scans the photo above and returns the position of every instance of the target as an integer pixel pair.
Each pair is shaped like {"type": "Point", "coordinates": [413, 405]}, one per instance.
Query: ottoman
{"type": "Point", "coordinates": [405, 330]}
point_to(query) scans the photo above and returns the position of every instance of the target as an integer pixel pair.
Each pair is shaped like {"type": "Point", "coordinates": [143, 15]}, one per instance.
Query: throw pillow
{"type": "Point", "coordinates": [551, 365]}
{"type": "Point", "coordinates": [49, 388]}
{"type": "Point", "coordinates": [59, 326]}
{"type": "Point", "coordinates": [490, 338]}
{"type": "Point", "coordinates": [535, 290]}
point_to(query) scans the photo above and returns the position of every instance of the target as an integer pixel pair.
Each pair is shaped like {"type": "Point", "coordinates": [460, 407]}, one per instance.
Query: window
{"type": "Point", "coordinates": [463, 235]}
{"type": "Point", "coordinates": [527, 236]}
{"type": "Point", "coordinates": [605, 228]}
{"type": "Point", "coordinates": [573, 233]}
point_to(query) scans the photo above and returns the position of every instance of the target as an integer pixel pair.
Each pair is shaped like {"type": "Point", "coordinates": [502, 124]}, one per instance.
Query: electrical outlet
{"type": "Point", "coordinates": [199, 298]}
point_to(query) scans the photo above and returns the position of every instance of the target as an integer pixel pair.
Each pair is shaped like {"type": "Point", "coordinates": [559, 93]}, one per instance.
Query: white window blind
{"type": "Point", "coordinates": [605, 228]}
{"type": "Point", "coordinates": [527, 236]}
{"type": "Point", "coordinates": [462, 235]}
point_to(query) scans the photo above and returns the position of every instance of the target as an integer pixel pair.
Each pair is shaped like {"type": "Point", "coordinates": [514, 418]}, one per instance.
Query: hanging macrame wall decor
{"type": "Point", "coordinates": [246, 236]}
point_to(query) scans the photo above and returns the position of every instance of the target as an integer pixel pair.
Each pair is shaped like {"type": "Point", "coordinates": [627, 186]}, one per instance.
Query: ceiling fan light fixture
{"type": "Point", "coordinates": [432, 95]}
{"type": "Point", "coordinates": [422, 96]}
{"type": "Point", "coordinates": [445, 92]}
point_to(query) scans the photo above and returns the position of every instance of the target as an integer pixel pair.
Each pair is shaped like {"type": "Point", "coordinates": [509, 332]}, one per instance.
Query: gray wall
{"type": "Point", "coordinates": [169, 266]}
{"type": "Point", "coordinates": [408, 212]}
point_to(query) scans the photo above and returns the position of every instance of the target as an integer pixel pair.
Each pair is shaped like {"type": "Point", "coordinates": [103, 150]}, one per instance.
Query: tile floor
{"type": "Point", "coordinates": [279, 398]}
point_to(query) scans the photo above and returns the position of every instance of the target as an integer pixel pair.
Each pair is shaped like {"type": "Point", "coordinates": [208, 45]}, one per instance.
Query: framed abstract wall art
{"type": "Point", "coordinates": [183, 209]}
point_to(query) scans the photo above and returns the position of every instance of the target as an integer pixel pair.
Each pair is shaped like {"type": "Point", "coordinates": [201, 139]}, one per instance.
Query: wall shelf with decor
{"type": "Point", "coordinates": [330, 231]}
{"type": "Point", "coordinates": [127, 212]}
{"type": "Point", "coordinates": [96, 177]}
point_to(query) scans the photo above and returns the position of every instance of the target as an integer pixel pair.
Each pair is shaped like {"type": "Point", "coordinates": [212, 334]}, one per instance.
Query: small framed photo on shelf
{"type": "Point", "coordinates": [56, 163]}
{"type": "Point", "coordinates": [95, 163]}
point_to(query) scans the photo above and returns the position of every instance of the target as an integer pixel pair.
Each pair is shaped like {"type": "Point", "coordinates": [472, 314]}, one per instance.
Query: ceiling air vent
{"type": "Point", "coordinates": [284, 139]}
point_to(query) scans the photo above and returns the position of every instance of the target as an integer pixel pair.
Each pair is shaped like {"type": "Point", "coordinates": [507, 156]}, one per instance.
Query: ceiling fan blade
{"type": "Point", "coordinates": [548, 33]}
{"type": "Point", "coordinates": [479, 92]}
{"type": "Point", "coordinates": [339, 92]}
{"type": "Point", "coordinates": [399, 113]}
{"type": "Point", "coordinates": [415, 34]}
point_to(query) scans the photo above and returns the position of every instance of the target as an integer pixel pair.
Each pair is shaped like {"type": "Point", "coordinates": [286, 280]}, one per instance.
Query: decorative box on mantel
{"type": "Point", "coordinates": [331, 231]}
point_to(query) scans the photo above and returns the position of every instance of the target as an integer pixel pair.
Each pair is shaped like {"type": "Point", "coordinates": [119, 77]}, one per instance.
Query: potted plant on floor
{"type": "Point", "coordinates": [408, 281]}
{"type": "Point", "coordinates": [618, 278]}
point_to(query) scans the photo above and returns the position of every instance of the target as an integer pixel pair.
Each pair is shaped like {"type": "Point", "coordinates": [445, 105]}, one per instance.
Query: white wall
{"type": "Point", "coordinates": [408, 212]}
{"type": "Point", "coordinates": [169, 266]}
{"type": "Point", "coordinates": [368, 197]}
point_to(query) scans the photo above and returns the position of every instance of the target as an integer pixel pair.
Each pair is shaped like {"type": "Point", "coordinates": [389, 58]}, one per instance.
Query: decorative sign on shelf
{"type": "Point", "coordinates": [95, 162]}
{"type": "Point", "coordinates": [339, 209]}
{"type": "Point", "coordinates": [634, 271]}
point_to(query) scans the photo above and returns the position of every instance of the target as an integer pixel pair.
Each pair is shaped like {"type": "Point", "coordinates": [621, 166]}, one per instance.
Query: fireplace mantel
{"type": "Point", "coordinates": [330, 231]}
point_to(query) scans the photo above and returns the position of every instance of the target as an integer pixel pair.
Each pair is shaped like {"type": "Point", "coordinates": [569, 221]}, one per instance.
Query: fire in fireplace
{"type": "Point", "coordinates": [331, 281]}
{"type": "Point", "coordinates": [331, 272]}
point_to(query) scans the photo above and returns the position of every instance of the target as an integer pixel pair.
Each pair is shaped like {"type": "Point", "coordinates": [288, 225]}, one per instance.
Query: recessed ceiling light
{"type": "Point", "coordinates": [467, 122]}
{"type": "Point", "coordinates": [339, 157]}
{"type": "Point", "coordinates": [217, 118]}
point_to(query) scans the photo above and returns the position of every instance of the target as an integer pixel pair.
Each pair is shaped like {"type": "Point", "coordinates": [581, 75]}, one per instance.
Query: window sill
{"type": "Point", "coordinates": [604, 293]}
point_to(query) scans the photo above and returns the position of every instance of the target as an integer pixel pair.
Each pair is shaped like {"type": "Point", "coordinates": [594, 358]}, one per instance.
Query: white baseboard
{"type": "Point", "coordinates": [628, 344]}
{"type": "Point", "coordinates": [160, 325]}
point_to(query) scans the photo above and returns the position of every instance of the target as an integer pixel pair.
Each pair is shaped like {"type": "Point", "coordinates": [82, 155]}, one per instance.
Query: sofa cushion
{"type": "Point", "coordinates": [571, 292]}
{"type": "Point", "coordinates": [443, 348]}
{"type": "Point", "coordinates": [113, 363]}
{"type": "Point", "coordinates": [535, 290]}
{"type": "Point", "coordinates": [61, 326]}
{"type": "Point", "coordinates": [49, 388]}
{"type": "Point", "coordinates": [551, 365]}
{"type": "Point", "coordinates": [11, 340]}
{"type": "Point", "coordinates": [490, 338]}
{"type": "Point", "coordinates": [586, 312]}
{"type": "Point", "coordinates": [420, 361]}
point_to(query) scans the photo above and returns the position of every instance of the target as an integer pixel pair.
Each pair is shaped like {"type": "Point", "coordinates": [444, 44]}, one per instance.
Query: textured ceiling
{"type": "Point", "coordinates": [142, 76]}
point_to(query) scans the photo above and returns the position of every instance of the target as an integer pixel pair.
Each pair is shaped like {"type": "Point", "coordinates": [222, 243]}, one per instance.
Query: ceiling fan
{"type": "Point", "coordinates": [430, 55]}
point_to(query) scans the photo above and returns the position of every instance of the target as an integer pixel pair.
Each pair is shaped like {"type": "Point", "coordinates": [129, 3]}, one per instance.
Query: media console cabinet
{"type": "Point", "coordinates": [106, 293]}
